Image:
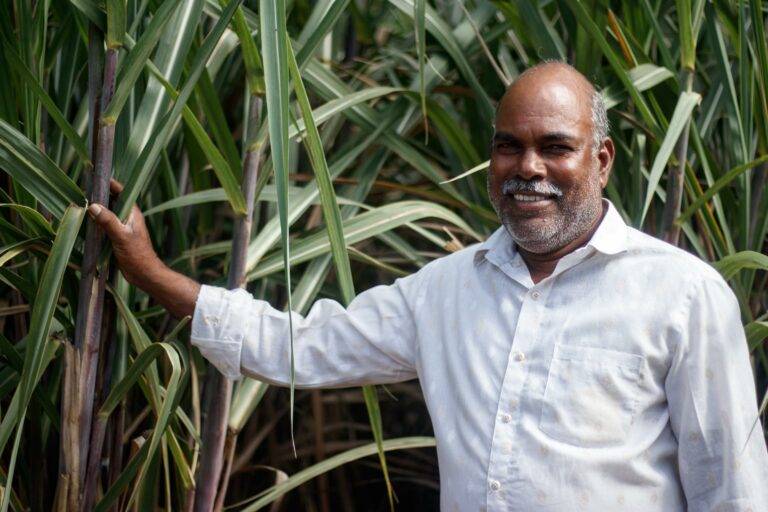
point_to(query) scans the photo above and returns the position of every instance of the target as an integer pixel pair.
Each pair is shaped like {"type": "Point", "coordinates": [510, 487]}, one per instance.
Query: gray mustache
{"type": "Point", "coordinates": [514, 185]}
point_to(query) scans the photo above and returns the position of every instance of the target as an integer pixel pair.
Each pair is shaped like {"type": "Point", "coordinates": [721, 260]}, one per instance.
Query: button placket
{"type": "Point", "coordinates": [504, 464]}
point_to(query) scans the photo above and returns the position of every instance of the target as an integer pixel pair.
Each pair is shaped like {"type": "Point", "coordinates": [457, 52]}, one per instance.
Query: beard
{"type": "Point", "coordinates": [575, 213]}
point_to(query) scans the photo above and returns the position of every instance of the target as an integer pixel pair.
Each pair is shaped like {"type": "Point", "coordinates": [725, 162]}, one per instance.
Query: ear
{"type": "Point", "coordinates": [605, 160]}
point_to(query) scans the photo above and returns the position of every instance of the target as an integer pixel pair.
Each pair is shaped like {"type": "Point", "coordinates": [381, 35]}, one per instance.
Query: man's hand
{"type": "Point", "coordinates": [139, 262]}
{"type": "Point", "coordinates": [131, 244]}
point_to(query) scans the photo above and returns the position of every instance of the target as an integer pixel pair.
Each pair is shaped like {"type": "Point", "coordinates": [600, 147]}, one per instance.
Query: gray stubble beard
{"type": "Point", "coordinates": [576, 216]}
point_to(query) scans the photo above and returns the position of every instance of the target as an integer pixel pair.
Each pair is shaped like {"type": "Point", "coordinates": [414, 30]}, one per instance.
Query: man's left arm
{"type": "Point", "coordinates": [712, 403]}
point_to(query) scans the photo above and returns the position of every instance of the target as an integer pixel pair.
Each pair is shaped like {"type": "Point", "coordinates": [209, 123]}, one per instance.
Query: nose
{"type": "Point", "coordinates": [531, 166]}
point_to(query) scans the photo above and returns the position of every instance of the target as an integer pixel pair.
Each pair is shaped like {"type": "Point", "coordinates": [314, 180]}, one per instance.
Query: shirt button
{"type": "Point", "coordinates": [506, 418]}
{"type": "Point", "coordinates": [519, 356]}
{"type": "Point", "coordinates": [535, 295]}
{"type": "Point", "coordinates": [495, 485]}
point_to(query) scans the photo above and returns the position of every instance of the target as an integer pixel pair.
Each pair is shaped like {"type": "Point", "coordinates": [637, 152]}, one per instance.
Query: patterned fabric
{"type": "Point", "coordinates": [622, 382]}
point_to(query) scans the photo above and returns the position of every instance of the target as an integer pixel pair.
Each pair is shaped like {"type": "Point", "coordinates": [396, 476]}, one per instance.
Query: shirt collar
{"type": "Point", "coordinates": [611, 234]}
{"type": "Point", "coordinates": [609, 238]}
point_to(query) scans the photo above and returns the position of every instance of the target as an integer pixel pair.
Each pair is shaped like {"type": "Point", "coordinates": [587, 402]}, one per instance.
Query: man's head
{"type": "Point", "coordinates": [550, 157]}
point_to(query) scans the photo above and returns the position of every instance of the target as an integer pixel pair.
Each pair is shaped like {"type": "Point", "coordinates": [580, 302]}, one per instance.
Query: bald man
{"type": "Point", "coordinates": [569, 362]}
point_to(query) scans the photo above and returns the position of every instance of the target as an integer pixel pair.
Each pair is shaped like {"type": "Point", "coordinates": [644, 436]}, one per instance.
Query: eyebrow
{"type": "Point", "coordinates": [558, 137]}
{"type": "Point", "coordinates": [504, 136]}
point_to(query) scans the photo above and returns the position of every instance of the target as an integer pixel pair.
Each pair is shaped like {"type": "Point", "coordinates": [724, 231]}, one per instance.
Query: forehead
{"type": "Point", "coordinates": [531, 106]}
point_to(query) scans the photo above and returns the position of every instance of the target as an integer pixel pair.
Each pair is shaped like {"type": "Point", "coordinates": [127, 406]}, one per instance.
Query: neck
{"type": "Point", "coordinates": [541, 265]}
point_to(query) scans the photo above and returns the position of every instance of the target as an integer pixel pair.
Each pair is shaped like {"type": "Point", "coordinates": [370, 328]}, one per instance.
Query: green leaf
{"type": "Point", "coordinates": [683, 110]}
{"type": "Point", "coordinates": [143, 458]}
{"type": "Point", "coordinates": [479, 167]}
{"type": "Point", "coordinates": [40, 323]}
{"type": "Point", "coordinates": [137, 58]}
{"type": "Point", "coordinates": [311, 472]}
{"type": "Point", "coordinates": [442, 32]}
{"type": "Point", "coordinates": [326, 111]}
{"type": "Point", "coordinates": [36, 172]}
{"type": "Point", "coordinates": [213, 195]}
{"type": "Point", "coordinates": [585, 20]}
{"type": "Point", "coordinates": [717, 186]}
{"type": "Point", "coordinates": [171, 59]}
{"type": "Point", "coordinates": [362, 227]}
{"type": "Point", "coordinates": [32, 218]}
{"type": "Point", "coordinates": [756, 332]}
{"type": "Point", "coordinates": [335, 233]}
{"type": "Point", "coordinates": [419, 17]}
{"type": "Point", "coordinates": [247, 397]}
{"type": "Point", "coordinates": [251, 58]}
{"type": "Point", "coordinates": [10, 251]}
{"type": "Point", "coordinates": [325, 186]}
{"type": "Point", "coordinates": [227, 169]}
{"type": "Point", "coordinates": [734, 263]}
{"type": "Point", "coordinates": [643, 77]}
{"type": "Point", "coordinates": [546, 40]}
{"type": "Point", "coordinates": [115, 23]}
{"type": "Point", "coordinates": [687, 41]}
{"type": "Point", "coordinates": [275, 53]}
{"type": "Point", "coordinates": [66, 129]}
{"type": "Point", "coordinates": [140, 174]}
{"type": "Point", "coordinates": [313, 33]}
{"type": "Point", "coordinates": [270, 233]}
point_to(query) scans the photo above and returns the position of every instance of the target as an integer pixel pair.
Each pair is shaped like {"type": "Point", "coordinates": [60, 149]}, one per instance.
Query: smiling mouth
{"type": "Point", "coordinates": [531, 198]}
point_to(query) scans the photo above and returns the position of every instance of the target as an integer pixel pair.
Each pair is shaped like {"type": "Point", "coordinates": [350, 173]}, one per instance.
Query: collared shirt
{"type": "Point", "coordinates": [621, 382]}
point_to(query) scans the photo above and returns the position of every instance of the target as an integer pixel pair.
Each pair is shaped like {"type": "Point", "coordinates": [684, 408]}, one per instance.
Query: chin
{"type": "Point", "coordinates": [539, 246]}
{"type": "Point", "coordinates": [535, 235]}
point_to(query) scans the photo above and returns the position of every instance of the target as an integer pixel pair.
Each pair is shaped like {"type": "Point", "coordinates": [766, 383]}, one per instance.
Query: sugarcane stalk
{"type": "Point", "coordinates": [759, 182]}
{"type": "Point", "coordinates": [99, 429]}
{"type": "Point", "coordinates": [217, 387]}
{"type": "Point", "coordinates": [230, 443]}
{"type": "Point", "coordinates": [80, 377]}
{"type": "Point", "coordinates": [676, 177]}
{"type": "Point", "coordinates": [68, 487]}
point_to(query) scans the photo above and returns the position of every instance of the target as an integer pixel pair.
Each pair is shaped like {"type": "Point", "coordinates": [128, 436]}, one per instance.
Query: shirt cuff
{"type": "Point", "coordinates": [219, 325]}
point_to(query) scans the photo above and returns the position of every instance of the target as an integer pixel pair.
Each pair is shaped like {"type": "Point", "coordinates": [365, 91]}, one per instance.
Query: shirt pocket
{"type": "Point", "coordinates": [590, 397]}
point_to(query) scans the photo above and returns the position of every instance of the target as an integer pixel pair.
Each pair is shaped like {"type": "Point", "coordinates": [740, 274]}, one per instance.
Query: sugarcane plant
{"type": "Point", "coordinates": [300, 149]}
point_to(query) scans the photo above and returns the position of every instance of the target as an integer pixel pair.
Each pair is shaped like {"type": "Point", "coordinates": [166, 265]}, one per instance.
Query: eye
{"type": "Point", "coordinates": [506, 146]}
{"type": "Point", "coordinates": [557, 149]}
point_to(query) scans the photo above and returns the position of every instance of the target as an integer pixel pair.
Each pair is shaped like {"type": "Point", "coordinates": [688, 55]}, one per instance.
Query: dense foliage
{"type": "Point", "coordinates": [336, 125]}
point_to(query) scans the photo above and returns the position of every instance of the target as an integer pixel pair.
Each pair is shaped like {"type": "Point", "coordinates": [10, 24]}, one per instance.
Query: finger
{"type": "Point", "coordinates": [106, 220]}
{"type": "Point", "coordinates": [115, 187]}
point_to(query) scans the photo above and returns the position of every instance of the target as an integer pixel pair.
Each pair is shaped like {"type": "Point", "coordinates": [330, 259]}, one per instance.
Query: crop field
{"type": "Point", "coordinates": [305, 149]}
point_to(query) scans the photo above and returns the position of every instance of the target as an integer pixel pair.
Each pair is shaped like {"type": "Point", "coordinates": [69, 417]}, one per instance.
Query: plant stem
{"type": "Point", "coordinates": [676, 177]}
{"type": "Point", "coordinates": [758, 188]}
{"type": "Point", "coordinates": [81, 377]}
{"type": "Point", "coordinates": [218, 388]}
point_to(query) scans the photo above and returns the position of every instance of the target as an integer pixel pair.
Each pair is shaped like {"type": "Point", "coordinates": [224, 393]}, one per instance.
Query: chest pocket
{"type": "Point", "coordinates": [591, 395]}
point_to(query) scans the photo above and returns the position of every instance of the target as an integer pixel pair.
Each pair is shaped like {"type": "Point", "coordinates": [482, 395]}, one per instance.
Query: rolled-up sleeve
{"type": "Point", "coordinates": [372, 341]}
{"type": "Point", "coordinates": [712, 402]}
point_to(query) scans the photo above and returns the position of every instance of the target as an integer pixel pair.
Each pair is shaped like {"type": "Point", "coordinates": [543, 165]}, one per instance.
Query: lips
{"type": "Point", "coordinates": [531, 198]}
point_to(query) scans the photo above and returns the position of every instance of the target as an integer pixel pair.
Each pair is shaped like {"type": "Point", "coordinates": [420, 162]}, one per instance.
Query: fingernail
{"type": "Point", "coordinates": [94, 210]}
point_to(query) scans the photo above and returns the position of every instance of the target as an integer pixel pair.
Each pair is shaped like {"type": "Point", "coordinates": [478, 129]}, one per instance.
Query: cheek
{"type": "Point", "coordinates": [495, 177]}
{"type": "Point", "coordinates": [571, 174]}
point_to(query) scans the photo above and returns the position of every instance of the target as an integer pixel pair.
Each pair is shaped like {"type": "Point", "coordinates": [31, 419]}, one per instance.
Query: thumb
{"type": "Point", "coordinates": [106, 220]}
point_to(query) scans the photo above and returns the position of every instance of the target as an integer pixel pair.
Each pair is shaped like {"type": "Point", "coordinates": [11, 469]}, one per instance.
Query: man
{"type": "Point", "coordinates": [570, 362]}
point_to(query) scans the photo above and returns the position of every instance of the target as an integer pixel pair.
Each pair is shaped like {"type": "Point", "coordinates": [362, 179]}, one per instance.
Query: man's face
{"type": "Point", "coordinates": [546, 179]}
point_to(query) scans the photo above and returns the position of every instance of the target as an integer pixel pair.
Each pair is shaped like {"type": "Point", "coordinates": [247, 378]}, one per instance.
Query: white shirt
{"type": "Point", "coordinates": [621, 382]}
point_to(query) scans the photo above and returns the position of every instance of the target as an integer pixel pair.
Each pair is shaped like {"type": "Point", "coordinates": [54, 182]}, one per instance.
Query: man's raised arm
{"type": "Point", "coordinates": [373, 340]}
